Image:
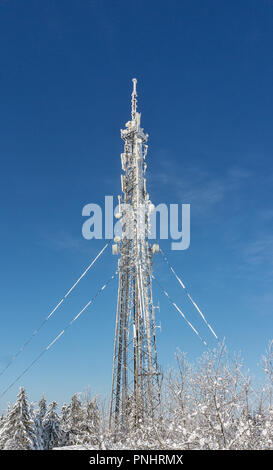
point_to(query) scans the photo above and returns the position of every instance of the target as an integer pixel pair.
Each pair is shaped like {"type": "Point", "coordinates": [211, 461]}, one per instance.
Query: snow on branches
{"type": "Point", "coordinates": [210, 404]}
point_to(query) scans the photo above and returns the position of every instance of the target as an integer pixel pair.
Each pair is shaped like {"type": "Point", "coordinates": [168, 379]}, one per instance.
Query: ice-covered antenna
{"type": "Point", "coordinates": [134, 99]}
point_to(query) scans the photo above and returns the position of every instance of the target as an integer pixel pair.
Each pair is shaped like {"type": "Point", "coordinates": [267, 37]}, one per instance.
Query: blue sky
{"type": "Point", "coordinates": [204, 74]}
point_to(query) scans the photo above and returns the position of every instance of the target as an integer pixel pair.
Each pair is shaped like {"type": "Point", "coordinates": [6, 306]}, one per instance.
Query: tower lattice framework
{"type": "Point", "coordinates": [136, 376]}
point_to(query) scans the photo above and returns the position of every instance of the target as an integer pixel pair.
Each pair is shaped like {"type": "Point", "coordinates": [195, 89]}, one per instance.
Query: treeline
{"type": "Point", "coordinates": [210, 404]}
{"type": "Point", "coordinates": [26, 428]}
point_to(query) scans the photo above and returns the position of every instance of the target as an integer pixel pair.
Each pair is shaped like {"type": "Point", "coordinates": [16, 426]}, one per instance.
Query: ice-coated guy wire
{"type": "Point", "coordinates": [58, 336]}
{"type": "Point", "coordinates": [187, 293]}
{"type": "Point", "coordinates": [52, 311]}
{"type": "Point", "coordinates": [180, 311]}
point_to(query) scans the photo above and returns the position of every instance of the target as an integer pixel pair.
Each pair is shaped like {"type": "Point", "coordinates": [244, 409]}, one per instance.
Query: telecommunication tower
{"type": "Point", "coordinates": [136, 379]}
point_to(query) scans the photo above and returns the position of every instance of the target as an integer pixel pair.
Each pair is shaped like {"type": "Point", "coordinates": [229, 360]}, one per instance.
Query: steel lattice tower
{"type": "Point", "coordinates": [136, 377]}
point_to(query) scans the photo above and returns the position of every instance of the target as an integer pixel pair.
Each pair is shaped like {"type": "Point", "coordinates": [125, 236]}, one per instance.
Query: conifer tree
{"type": "Point", "coordinates": [75, 421]}
{"type": "Point", "coordinates": [52, 431]}
{"type": "Point", "coordinates": [92, 423]}
{"type": "Point", "coordinates": [18, 431]}
{"type": "Point", "coordinates": [65, 423]}
{"type": "Point", "coordinates": [39, 417]}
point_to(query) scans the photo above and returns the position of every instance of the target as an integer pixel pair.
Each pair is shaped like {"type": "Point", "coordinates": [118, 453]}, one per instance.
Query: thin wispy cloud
{"type": "Point", "coordinates": [266, 214]}
{"type": "Point", "coordinates": [260, 251]}
{"type": "Point", "coordinates": [202, 189]}
{"type": "Point", "coordinates": [64, 241]}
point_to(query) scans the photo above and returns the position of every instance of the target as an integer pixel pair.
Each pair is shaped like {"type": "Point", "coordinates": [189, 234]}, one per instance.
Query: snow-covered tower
{"type": "Point", "coordinates": [136, 376]}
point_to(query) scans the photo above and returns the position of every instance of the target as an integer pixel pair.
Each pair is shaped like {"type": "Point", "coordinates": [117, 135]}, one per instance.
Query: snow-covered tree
{"type": "Point", "coordinates": [52, 431]}
{"type": "Point", "coordinates": [2, 421]}
{"type": "Point", "coordinates": [18, 431]}
{"type": "Point", "coordinates": [90, 428]}
{"type": "Point", "coordinates": [64, 421]}
{"type": "Point", "coordinates": [38, 418]}
{"type": "Point", "coordinates": [74, 421]}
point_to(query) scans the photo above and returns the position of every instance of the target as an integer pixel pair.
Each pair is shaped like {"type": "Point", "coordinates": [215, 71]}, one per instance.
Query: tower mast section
{"type": "Point", "coordinates": [136, 376]}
